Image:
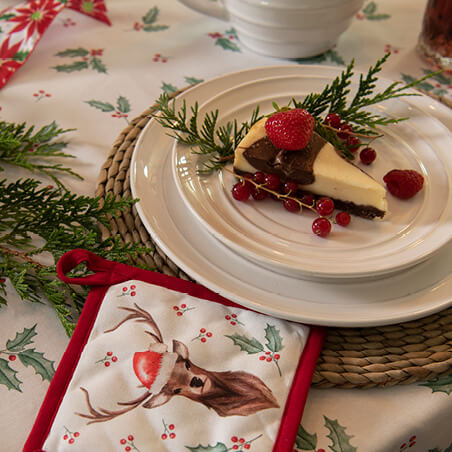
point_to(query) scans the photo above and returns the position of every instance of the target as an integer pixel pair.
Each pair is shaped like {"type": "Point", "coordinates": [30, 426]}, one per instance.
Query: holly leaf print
{"type": "Point", "coordinates": [227, 44]}
{"type": "Point", "coordinates": [341, 441]}
{"type": "Point", "coordinates": [370, 8]}
{"type": "Point", "coordinates": [77, 66]}
{"type": "Point", "coordinates": [123, 104]}
{"type": "Point", "coordinates": [304, 440]}
{"type": "Point", "coordinates": [251, 346]}
{"type": "Point", "coordinates": [168, 88]}
{"type": "Point", "coordinates": [8, 376]}
{"type": "Point", "coordinates": [21, 340]}
{"type": "Point", "coordinates": [103, 106]}
{"type": "Point", "coordinates": [151, 16]}
{"type": "Point", "coordinates": [443, 384]}
{"type": "Point", "coordinates": [72, 53]}
{"type": "Point", "coordinates": [42, 366]}
{"type": "Point", "coordinates": [97, 65]}
{"type": "Point", "coordinates": [274, 340]}
{"type": "Point", "coordinates": [219, 447]}
{"type": "Point", "coordinates": [193, 80]}
{"type": "Point", "coordinates": [155, 27]}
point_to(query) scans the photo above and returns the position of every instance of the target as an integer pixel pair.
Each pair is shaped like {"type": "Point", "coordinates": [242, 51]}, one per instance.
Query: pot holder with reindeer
{"type": "Point", "coordinates": [158, 363]}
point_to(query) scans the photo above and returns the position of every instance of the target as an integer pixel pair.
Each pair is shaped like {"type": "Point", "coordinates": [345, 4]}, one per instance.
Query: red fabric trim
{"type": "Point", "coordinates": [108, 273]}
{"type": "Point", "coordinates": [296, 400]}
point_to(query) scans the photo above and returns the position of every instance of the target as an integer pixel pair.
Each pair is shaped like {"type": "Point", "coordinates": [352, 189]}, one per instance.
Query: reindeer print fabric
{"type": "Point", "coordinates": [166, 371]}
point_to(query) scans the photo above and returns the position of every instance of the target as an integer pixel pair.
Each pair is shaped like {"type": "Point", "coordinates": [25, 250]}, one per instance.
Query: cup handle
{"type": "Point", "coordinates": [214, 9]}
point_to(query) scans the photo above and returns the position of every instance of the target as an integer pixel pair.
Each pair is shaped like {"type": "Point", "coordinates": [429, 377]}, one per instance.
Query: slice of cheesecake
{"type": "Point", "coordinates": [317, 169]}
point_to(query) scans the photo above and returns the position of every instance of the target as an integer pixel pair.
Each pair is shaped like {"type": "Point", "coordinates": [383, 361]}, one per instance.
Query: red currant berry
{"type": "Point", "coordinates": [172, 435]}
{"type": "Point", "coordinates": [107, 364]}
{"type": "Point", "coordinates": [324, 206]}
{"type": "Point", "coordinates": [307, 199]}
{"type": "Point", "coordinates": [133, 287]}
{"type": "Point", "coordinates": [345, 130]}
{"type": "Point", "coordinates": [202, 330]}
{"type": "Point", "coordinates": [209, 334]}
{"type": "Point", "coordinates": [114, 359]}
{"type": "Point", "coordinates": [203, 339]}
{"type": "Point", "coordinates": [291, 205]}
{"type": "Point", "coordinates": [179, 313]}
{"type": "Point", "coordinates": [133, 293]}
{"type": "Point", "coordinates": [259, 195]}
{"type": "Point", "coordinates": [262, 357]}
{"type": "Point", "coordinates": [176, 308]}
{"type": "Point", "coordinates": [71, 441]}
{"type": "Point", "coordinates": [241, 191]}
{"type": "Point", "coordinates": [235, 447]}
{"type": "Point", "coordinates": [109, 353]}
{"type": "Point", "coordinates": [76, 434]}
{"type": "Point", "coordinates": [321, 226]}
{"type": "Point", "coordinates": [232, 322]}
{"type": "Point", "coordinates": [227, 317]}
{"type": "Point", "coordinates": [367, 155]}
{"type": "Point", "coordinates": [413, 438]}
{"type": "Point", "coordinates": [268, 359]}
{"type": "Point", "coordinates": [65, 437]}
{"type": "Point", "coordinates": [12, 357]}
{"type": "Point", "coordinates": [352, 143]}
{"type": "Point", "coordinates": [247, 446]}
{"type": "Point", "coordinates": [289, 187]}
{"type": "Point", "coordinates": [234, 315]}
{"type": "Point", "coordinates": [124, 289]}
{"type": "Point", "coordinates": [343, 219]}
{"type": "Point", "coordinates": [272, 181]}
{"type": "Point", "coordinates": [333, 120]}
{"type": "Point", "coordinates": [164, 436]}
{"type": "Point", "coordinates": [183, 305]}
{"type": "Point", "coordinates": [127, 448]}
{"type": "Point", "coordinates": [259, 177]}
{"type": "Point", "coordinates": [277, 356]}
{"type": "Point", "coordinates": [171, 426]}
{"type": "Point", "coordinates": [234, 439]}
{"type": "Point", "coordinates": [122, 441]}
{"type": "Point", "coordinates": [267, 353]}
{"type": "Point", "coordinates": [241, 440]}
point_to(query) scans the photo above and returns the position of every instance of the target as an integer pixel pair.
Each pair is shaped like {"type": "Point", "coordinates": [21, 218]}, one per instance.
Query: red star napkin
{"type": "Point", "coordinates": [22, 26]}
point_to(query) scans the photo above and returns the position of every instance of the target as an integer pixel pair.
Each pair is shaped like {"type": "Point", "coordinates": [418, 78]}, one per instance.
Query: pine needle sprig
{"type": "Point", "coordinates": [207, 138]}
{"type": "Point", "coordinates": [24, 147]}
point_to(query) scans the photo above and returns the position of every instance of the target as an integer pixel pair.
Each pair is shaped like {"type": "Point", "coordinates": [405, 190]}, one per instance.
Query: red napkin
{"type": "Point", "coordinates": [22, 27]}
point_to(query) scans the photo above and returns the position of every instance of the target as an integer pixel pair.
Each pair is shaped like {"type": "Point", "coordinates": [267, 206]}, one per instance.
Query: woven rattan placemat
{"type": "Point", "coordinates": [351, 357]}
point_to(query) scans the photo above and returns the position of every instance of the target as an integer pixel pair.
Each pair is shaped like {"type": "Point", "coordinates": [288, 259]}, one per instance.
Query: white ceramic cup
{"type": "Point", "coordinates": [283, 28]}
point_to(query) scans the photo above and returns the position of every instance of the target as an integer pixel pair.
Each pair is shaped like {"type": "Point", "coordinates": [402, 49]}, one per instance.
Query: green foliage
{"type": "Point", "coordinates": [340, 439]}
{"type": "Point", "coordinates": [219, 447]}
{"type": "Point", "coordinates": [40, 223]}
{"type": "Point", "coordinates": [246, 344]}
{"type": "Point", "coordinates": [443, 384]}
{"type": "Point", "coordinates": [304, 440]}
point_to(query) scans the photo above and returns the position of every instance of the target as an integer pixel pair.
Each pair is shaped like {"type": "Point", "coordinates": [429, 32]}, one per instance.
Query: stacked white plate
{"type": "Point", "coordinates": [265, 258]}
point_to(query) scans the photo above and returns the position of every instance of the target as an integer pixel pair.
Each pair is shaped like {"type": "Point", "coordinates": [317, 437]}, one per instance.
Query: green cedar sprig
{"type": "Point", "coordinates": [334, 98]}
{"type": "Point", "coordinates": [208, 139]}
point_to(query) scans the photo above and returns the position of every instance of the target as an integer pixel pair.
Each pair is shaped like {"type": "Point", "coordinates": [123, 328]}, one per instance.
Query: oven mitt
{"type": "Point", "coordinates": [157, 363]}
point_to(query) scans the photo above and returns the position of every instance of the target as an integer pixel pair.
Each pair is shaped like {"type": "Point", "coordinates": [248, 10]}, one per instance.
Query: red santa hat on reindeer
{"type": "Point", "coordinates": [154, 366]}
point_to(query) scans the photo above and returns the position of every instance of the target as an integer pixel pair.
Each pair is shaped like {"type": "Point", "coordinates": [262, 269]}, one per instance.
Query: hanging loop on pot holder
{"type": "Point", "coordinates": [105, 272]}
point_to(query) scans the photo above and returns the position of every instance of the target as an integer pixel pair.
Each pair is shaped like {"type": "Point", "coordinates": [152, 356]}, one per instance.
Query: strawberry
{"type": "Point", "coordinates": [290, 129]}
{"type": "Point", "coordinates": [403, 184]}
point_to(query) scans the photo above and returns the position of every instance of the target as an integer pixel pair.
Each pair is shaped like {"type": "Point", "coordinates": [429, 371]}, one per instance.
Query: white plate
{"type": "Point", "coordinates": [269, 235]}
{"type": "Point", "coordinates": [419, 291]}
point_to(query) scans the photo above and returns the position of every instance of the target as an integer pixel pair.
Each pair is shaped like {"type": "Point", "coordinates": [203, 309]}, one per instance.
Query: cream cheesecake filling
{"type": "Point", "coordinates": [334, 176]}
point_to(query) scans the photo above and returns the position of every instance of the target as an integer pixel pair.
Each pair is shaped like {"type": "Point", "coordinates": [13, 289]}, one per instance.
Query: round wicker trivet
{"type": "Point", "coordinates": [351, 357]}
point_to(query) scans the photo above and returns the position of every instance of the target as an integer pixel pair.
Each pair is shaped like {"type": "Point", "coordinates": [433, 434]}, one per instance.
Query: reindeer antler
{"type": "Point", "coordinates": [102, 414]}
{"type": "Point", "coordinates": [140, 315]}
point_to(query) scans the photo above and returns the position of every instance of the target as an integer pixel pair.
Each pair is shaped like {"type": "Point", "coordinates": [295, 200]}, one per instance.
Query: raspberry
{"type": "Point", "coordinates": [291, 129]}
{"type": "Point", "coordinates": [403, 184]}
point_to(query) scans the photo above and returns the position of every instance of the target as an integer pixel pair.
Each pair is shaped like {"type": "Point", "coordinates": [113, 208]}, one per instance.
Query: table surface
{"type": "Point", "coordinates": [140, 65]}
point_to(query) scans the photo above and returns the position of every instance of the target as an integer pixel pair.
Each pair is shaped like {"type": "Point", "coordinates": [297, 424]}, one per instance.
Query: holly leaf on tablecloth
{"type": "Point", "coordinates": [168, 88]}
{"type": "Point", "coordinates": [304, 440]}
{"type": "Point", "coordinates": [8, 376]}
{"type": "Point", "coordinates": [274, 340]}
{"type": "Point", "coordinates": [219, 447]}
{"type": "Point", "coordinates": [97, 65]}
{"type": "Point", "coordinates": [443, 384]}
{"type": "Point", "coordinates": [151, 16]}
{"type": "Point", "coordinates": [123, 104]}
{"type": "Point", "coordinates": [21, 340]}
{"type": "Point", "coordinates": [42, 366]}
{"type": "Point", "coordinates": [341, 441]}
{"type": "Point", "coordinates": [76, 66]}
{"type": "Point", "coordinates": [103, 106]}
{"type": "Point", "coordinates": [193, 80]}
{"type": "Point", "coordinates": [72, 53]}
{"type": "Point", "coordinates": [246, 344]}
{"type": "Point", "coordinates": [155, 27]}
{"type": "Point", "coordinates": [370, 12]}
{"type": "Point", "coordinates": [227, 44]}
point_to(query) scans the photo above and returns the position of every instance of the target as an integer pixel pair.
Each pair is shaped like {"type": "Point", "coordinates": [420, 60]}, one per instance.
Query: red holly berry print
{"type": "Point", "coordinates": [118, 110]}
{"type": "Point", "coordinates": [159, 58]}
{"type": "Point", "coordinates": [410, 443]}
{"type": "Point", "coordinates": [203, 335]}
{"type": "Point", "coordinates": [241, 444]}
{"type": "Point", "coordinates": [182, 309]}
{"type": "Point", "coordinates": [226, 40]}
{"type": "Point", "coordinates": [108, 359]}
{"type": "Point", "coordinates": [128, 290]}
{"type": "Point", "coordinates": [68, 22]}
{"type": "Point", "coordinates": [41, 94]}
{"type": "Point", "coordinates": [168, 431]}
{"type": "Point", "coordinates": [69, 436]}
{"type": "Point", "coordinates": [128, 443]}
{"type": "Point", "coordinates": [233, 319]}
